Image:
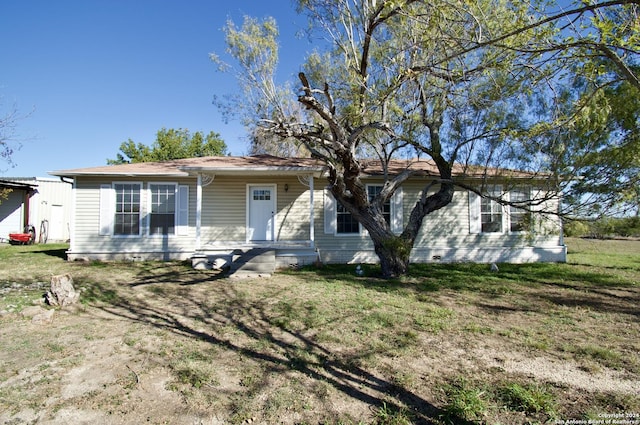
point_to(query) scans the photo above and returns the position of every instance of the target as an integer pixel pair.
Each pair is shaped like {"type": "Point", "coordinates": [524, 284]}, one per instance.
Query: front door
{"type": "Point", "coordinates": [262, 208]}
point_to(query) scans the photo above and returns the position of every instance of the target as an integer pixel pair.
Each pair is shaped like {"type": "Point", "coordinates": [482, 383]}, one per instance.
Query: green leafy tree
{"type": "Point", "coordinates": [171, 144]}
{"type": "Point", "coordinates": [602, 147]}
{"type": "Point", "coordinates": [591, 126]}
{"type": "Point", "coordinates": [603, 141]}
{"type": "Point", "coordinates": [255, 46]}
{"type": "Point", "coordinates": [477, 87]}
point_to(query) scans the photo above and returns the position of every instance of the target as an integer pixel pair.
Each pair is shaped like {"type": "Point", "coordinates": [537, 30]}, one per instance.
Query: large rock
{"type": "Point", "coordinates": [62, 292]}
{"type": "Point", "coordinates": [38, 315]}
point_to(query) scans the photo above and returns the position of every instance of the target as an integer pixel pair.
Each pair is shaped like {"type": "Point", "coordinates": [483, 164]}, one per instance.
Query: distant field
{"type": "Point", "coordinates": [161, 343]}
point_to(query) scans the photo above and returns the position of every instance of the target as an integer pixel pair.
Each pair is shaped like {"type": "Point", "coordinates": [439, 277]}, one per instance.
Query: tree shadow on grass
{"type": "Point", "coordinates": [260, 334]}
{"type": "Point", "coordinates": [559, 284]}
{"type": "Point", "coordinates": [475, 277]}
{"type": "Point", "coordinates": [181, 273]}
{"type": "Point", "coordinates": [196, 305]}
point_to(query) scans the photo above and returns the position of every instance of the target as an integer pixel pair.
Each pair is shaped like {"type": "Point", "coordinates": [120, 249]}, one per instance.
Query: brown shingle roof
{"type": "Point", "coordinates": [188, 166]}
{"type": "Point", "coordinates": [427, 167]}
{"type": "Point", "coordinates": [267, 164]}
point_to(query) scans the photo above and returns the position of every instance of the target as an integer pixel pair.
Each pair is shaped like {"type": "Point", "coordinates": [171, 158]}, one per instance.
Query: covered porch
{"type": "Point", "coordinates": [249, 209]}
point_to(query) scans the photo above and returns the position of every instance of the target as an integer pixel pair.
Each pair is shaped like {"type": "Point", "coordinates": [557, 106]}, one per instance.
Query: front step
{"type": "Point", "coordinates": [224, 258]}
{"type": "Point", "coordinates": [257, 262]}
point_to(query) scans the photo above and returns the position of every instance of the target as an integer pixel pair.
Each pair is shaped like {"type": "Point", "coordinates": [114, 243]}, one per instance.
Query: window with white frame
{"type": "Point", "coordinates": [123, 205]}
{"type": "Point", "coordinates": [345, 222]}
{"type": "Point", "coordinates": [491, 214]}
{"type": "Point", "coordinates": [519, 218]}
{"type": "Point", "coordinates": [162, 209]}
{"type": "Point", "coordinates": [339, 221]}
{"type": "Point", "coordinates": [127, 209]}
{"type": "Point", "coordinates": [372, 192]}
{"type": "Point", "coordinates": [261, 194]}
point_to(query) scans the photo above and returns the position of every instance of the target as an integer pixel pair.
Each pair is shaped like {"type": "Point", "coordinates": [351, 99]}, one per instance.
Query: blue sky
{"type": "Point", "coordinates": [93, 73]}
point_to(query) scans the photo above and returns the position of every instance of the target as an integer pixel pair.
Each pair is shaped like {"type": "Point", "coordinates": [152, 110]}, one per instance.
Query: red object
{"type": "Point", "coordinates": [26, 238]}
{"type": "Point", "coordinates": [20, 237]}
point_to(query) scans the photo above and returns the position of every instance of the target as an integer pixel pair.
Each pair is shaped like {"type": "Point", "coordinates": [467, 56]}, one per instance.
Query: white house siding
{"type": "Point", "coordinates": [336, 248]}
{"type": "Point", "coordinates": [224, 209]}
{"type": "Point", "coordinates": [445, 236]}
{"type": "Point", "coordinates": [87, 243]}
{"type": "Point", "coordinates": [292, 219]}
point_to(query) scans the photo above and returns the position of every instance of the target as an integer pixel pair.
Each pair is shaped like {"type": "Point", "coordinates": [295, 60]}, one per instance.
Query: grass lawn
{"type": "Point", "coordinates": [161, 343]}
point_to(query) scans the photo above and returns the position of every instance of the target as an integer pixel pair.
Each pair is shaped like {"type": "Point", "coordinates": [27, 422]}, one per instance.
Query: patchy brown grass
{"type": "Point", "coordinates": [162, 343]}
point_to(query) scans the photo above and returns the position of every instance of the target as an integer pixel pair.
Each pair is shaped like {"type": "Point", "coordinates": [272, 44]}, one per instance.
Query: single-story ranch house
{"type": "Point", "coordinates": [212, 209]}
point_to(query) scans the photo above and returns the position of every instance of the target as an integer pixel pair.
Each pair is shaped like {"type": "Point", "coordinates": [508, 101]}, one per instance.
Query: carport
{"type": "Point", "coordinates": [14, 206]}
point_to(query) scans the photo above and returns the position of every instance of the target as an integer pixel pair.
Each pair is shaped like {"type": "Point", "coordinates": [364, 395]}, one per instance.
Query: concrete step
{"type": "Point", "coordinates": [257, 262]}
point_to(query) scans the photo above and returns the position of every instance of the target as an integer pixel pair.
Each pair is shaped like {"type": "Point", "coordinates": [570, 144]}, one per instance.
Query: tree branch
{"type": "Point", "coordinates": [587, 8]}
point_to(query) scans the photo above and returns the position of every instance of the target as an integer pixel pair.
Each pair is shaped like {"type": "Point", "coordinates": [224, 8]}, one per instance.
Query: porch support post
{"type": "Point", "coordinates": [198, 211]}
{"type": "Point", "coordinates": [312, 234]}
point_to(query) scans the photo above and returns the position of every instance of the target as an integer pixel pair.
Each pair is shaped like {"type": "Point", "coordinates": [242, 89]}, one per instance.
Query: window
{"type": "Point", "coordinates": [338, 220]}
{"type": "Point", "coordinates": [162, 217]}
{"type": "Point", "coordinates": [261, 195]}
{"type": "Point", "coordinates": [518, 217]}
{"type": "Point", "coordinates": [164, 209]}
{"type": "Point", "coordinates": [345, 221]}
{"type": "Point", "coordinates": [487, 216]}
{"type": "Point", "coordinates": [373, 191]}
{"type": "Point", "coordinates": [127, 213]}
{"type": "Point", "coordinates": [491, 214]}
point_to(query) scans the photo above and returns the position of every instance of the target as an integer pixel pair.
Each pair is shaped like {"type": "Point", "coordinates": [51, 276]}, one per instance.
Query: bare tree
{"type": "Point", "coordinates": [9, 141]}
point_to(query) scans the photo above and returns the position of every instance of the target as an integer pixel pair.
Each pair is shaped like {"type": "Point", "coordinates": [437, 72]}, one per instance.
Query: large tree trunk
{"type": "Point", "coordinates": [393, 253]}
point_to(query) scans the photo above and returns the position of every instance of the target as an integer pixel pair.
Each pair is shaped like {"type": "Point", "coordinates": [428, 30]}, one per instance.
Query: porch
{"type": "Point", "coordinates": [238, 218]}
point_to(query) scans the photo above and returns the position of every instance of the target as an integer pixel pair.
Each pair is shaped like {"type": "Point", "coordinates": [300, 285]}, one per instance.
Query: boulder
{"type": "Point", "coordinates": [62, 292]}
{"type": "Point", "coordinates": [38, 315]}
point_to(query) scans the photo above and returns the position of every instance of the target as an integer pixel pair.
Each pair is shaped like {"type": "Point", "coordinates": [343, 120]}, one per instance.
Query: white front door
{"type": "Point", "coordinates": [262, 209]}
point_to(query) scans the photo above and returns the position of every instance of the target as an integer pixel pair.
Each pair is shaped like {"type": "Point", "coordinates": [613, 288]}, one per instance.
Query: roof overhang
{"type": "Point", "coordinates": [258, 165]}
{"type": "Point", "coordinates": [81, 173]}
{"type": "Point", "coordinates": [268, 165]}
{"type": "Point", "coordinates": [7, 184]}
{"type": "Point", "coordinates": [254, 171]}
